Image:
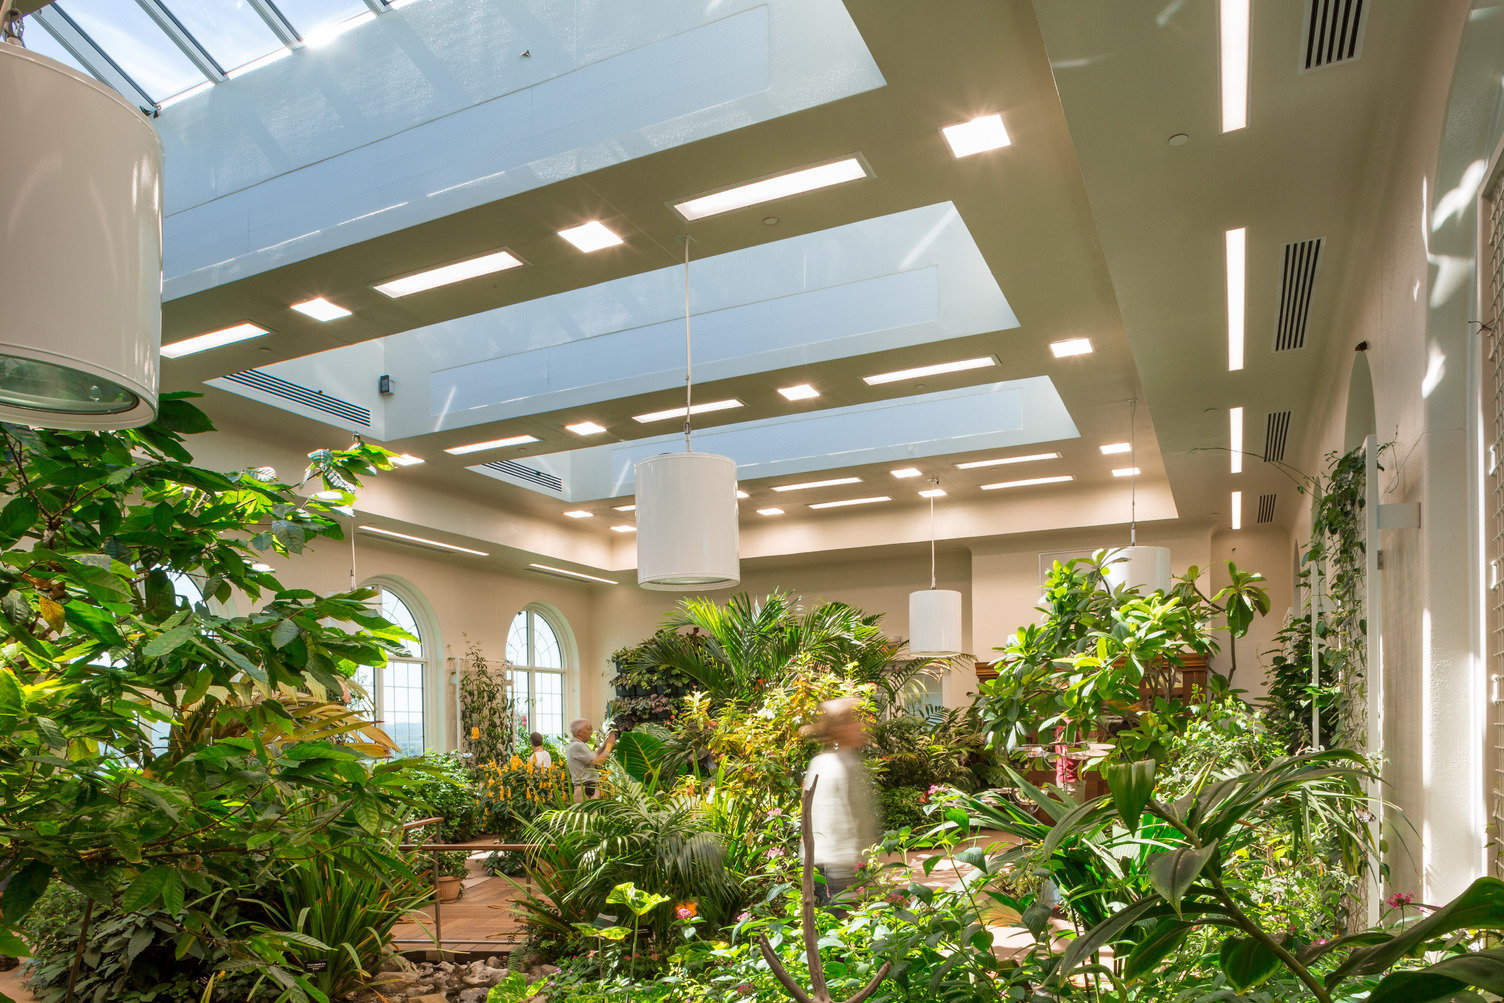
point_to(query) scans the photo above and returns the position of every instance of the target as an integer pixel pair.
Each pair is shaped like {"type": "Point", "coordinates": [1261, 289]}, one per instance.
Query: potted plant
{"type": "Point", "coordinates": [454, 867]}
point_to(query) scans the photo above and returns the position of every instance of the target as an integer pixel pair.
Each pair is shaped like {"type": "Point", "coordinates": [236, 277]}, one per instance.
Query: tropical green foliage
{"type": "Point", "coordinates": [488, 715]}
{"type": "Point", "coordinates": [154, 752]}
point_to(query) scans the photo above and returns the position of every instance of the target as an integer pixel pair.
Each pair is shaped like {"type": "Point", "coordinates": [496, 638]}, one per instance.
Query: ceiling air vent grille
{"type": "Point", "coordinates": [1334, 32]}
{"type": "Point", "coordinates": [301, 395]}
{"type": "Point", "coordinates": [514, 469]}
{"type": "Point", "coordinates": [1266, 508]}
{"type": "Point", "coordinates": [1276, 431]}
{"type": "Point", "coordinates": [1297, 282]}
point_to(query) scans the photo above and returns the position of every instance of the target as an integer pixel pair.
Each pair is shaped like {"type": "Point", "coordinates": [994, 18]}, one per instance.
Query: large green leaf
{"type": "Point", "coordinates": [1131, 784]}
{"type": "Point", "coordinates": [1073, 823]}
{"type": "Point", "coordinates": [640, 754]}
{"type": "Point", "coordinates": [1172, 873]}
{"type": "Point", "coordinates": [25, 887]}
{"type": "Point", "coordinates": [1247, 962]}
{"type": "Point", "coordinates": [19, 514]}
{"type": "Point", "coordinates": [1483, 969]}
{"type": "Point", "coordinates": [1104, 933]}
{"type": "Point", "coordinates": [1165, 937]}
{"type": "Point", "coordinates": [1479, 907]}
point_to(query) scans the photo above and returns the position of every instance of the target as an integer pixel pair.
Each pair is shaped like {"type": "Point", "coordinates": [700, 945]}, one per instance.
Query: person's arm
{"type": "Point", "coordinates": [605, 750]}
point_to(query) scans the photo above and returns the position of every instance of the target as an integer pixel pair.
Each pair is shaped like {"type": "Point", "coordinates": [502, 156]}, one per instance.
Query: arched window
{"type": "Point", "coordinates": [396, 689]}
{"type": "Point", "coordinates": [537, 668]}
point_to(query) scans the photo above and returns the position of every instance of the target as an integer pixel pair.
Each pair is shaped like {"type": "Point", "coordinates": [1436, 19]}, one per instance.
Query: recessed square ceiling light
{"type": "Point", "coordinates": [1116, 447]}
{"type": "Point", "coordinates": [586, 428]}
{"type": "Point", "coordinates": [802, 392]}
{"type": "Point", "coordinates": [977, 136]}
{"type": "Point", "coordinates": [770, 511]}
{"type": "Point", "coordinates": [623, 529]}
{"type": "Point", "coordinates": [572, 574]}
{"type": "Point", "coordinates": [321, 309]}
{"type": "Point", "coordinates": [936, 370]}
{"type": "Point", "coordinates": [678, 412]}
{"type": "Point", "coordinates": [905, 472]}
{"type": "Point", "coordinates": [742, 494]}
{"type": "Point", "coordinates": [1003, 461]}
{"type": "Point", "coordinates": [626, 508]}
{"type": "Point", "coordinates": [475, 447]}
{"type": "Point", "coordinates": [406, 459]}
{"type": "Point", "coordinates": [1126, 472]}
{"type": "Point", "coordinates": [768, 189]}
{"type": "Point", "coordinates": [1027, 483]}
{"type": "Point", "coordinates": [591, 236]}
{"type": "Point", "coordinates": [445, 275]}
{"type": "Point", "coordinates": [214, 339]}
{"type": "Point", "coordinates": [818, 484]}
{"type": "Point", "coordinates": [932, 493]}
{"type": "Point", "coordinates": [579, 513]}
{"type": "Point", "coordinates": [852, 501]}
{"type": "Point", "coordinates": [1075, 346]}
{"type": "Point", "coordinates": [418, 539]}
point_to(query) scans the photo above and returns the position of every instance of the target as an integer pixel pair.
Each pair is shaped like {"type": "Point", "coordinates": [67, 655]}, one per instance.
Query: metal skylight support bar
{"type": "Point", "coordinates": [183, 38]}
{"type": "Point", "coordinates": [277, 22]}
{"type": "Point", "coordinates": [73, 38]}
{"type": "Point", "coordinates": [380, 7]}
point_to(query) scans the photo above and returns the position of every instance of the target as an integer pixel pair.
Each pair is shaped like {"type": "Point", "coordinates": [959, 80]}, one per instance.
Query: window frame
{"type": "Point", "coordinates": [431, 725]}
{"type": "Point", "coordinates": [564, 639]}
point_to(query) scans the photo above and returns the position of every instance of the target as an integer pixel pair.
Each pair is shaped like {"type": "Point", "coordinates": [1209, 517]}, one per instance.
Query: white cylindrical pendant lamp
{"type": "Point", "coordinates": [1144, 568]}
{"type": "Point", "coordinates": [81, 222]}
{"type": "Point", "coordinates": [686, 522]}
{"type": "Point", "coordinates": [935, 623]}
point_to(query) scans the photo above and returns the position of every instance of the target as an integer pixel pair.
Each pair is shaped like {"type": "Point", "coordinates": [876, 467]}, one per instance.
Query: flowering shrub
{"type": "Point", "coordinates": [518, 791]}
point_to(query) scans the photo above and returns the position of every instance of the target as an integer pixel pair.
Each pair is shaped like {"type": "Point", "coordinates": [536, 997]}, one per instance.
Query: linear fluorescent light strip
{"type": "Point", "coordinates": [1237, 262]}
{"type": "Point", "coordinates": [1027, 483]}
{"type": "Point", "coordinates": [1116, 447]}
{"type": "Point", "coordinates": [623, 529]}
{"type": "Point", "coordinates": [1235, 420]}
{"type": "Point", "coordinates": [406, 459]}
{"type": "Point", "coordinates": [768, 189]}
{"type": "Point", "coordinates": [571, 574]}
{"type": "Point", "coordinates": [476, 447]}
{"type": "Point", "coordinates": [1126, 472]}
{"type": "Point", "coordinates": [579, 513]}
{"type": "Point", "coordinates": [419, 539]}
{"type": "Point", "coordinates": [974, 464]}
{"type": "Point", "coordinates": [935, 370]}
{"type": "Point", "coordinates": [445, 275]}
{"type": "Point", "coordinates": [852, 501]}
{"type": "Point", "coordinates": [678, 412]}
{"type": "Point", "coordinates": [770, 511]}
{"type": "Point", "coordinates": [932, 493]}
{"type": "Point", "coordinates": [1237, 510]}
{"type": "Point", "coordinates": [818, 484]}
{"type": "Point", "coordinates": [1235, 37]}
{"type": "Point", "coordinates": [625, 508]}
{"type": "Point", "coordinates": [214, 339]}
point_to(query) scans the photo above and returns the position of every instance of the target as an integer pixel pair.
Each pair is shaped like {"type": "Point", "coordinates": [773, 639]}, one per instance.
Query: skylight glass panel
{"type": "Point", "coordinates": [313, 17]}
{"type": "Point", "coordinates": [40, 40]}
{"type": "Point", "coordinates": [125, 33]}
{"type": "Point", "coordinates": [230, 30]}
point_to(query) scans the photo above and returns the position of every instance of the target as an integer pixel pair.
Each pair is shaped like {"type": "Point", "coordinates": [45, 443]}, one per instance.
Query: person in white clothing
{"type": "Point", "coordinates": [842, 819]}
{"type": "Point", "coordinates": [540, 758]}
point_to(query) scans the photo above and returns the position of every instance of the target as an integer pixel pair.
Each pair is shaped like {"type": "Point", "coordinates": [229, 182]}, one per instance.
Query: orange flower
{"type": "Point", "coordinates": [474, 734]}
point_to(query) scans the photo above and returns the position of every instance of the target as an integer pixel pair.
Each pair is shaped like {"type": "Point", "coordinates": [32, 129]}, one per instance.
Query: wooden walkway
{"type": "Point", "coordinates": [483, 920]}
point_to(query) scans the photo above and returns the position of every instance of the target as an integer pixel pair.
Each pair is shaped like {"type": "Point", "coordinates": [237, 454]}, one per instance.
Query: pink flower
{"type": "Point", "coordinates": [683, 912]}
{"type": "Point", "coordinates": [742, 917]}
{"type": "Point", "coordinates": [745, 989]}
{"type": "Point", "coordinates": [1399, 899]}
{"type": "Point", "coordinates": [934, 788]}
{"type": "Point", "coordinates": [894, 898]}
{"type": "Point", "coordinates": [774, 812]}
{"type": "Point", "coordinates": [775, 851]}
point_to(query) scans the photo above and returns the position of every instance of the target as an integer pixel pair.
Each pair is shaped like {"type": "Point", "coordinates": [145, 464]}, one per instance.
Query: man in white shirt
{"type": "Point", "coordinates": [842, 819]}
{"type": "Point", "coordinates": [583, 761]}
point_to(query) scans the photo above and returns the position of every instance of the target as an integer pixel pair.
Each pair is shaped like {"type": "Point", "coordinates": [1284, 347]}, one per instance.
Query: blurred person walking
{"type": "Point", "coordinates": [842, 819]}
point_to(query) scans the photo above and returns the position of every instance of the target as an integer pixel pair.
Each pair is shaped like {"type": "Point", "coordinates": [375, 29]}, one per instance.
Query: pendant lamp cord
{"type": "Point", "coordinates": [935, 482]}
{"type": "Point", "coordinates": [1133, 477]}
{"type": "Point", "coordinates": [688, 358]}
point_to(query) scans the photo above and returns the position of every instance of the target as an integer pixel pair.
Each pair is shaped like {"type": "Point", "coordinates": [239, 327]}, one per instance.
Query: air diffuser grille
{"type": "Point", "coordinates": [1266, 508]}
{"type": "Point", "coordinates": [1276, 431]}
{"type": "Point", "coordinates": [514, 469]}
{"type": "Point", "coordinates": [1297, 282]}
{"type": "Point", "coordinates": [302, 395]}
{"type": "Point", "coordinates": [1334, 32]}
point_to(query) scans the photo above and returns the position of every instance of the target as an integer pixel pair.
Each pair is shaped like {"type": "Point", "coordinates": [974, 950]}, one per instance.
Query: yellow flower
{"type": "Point", "coordinates": [474, 733]}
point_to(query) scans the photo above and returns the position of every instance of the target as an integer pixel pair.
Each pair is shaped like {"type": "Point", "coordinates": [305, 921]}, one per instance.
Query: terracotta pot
{"type": "Point", "coordinates": [450, 888]}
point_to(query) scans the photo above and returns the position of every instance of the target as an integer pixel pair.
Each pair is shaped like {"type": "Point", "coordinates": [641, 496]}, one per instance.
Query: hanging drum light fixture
{"type": "Point", "coordinates": [1143, 568]}
{"type": "Point", "coordinates": [934, 614]}
{"type": "Point", "coordinates": [81, 293]}
{"type": "Point", "coordinates": [686, 507]}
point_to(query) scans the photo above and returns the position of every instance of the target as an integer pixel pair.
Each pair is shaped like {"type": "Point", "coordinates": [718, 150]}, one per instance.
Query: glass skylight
{"type": "Point", "coordinates": [313, 17]}
{"type": "Point", "coordinates": [136, 44]}
{"type": "Point", "coordinates": [39, 39]}
{"type": "Point", "coordinates": [229, 30]}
